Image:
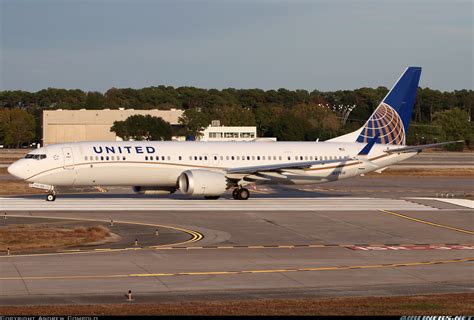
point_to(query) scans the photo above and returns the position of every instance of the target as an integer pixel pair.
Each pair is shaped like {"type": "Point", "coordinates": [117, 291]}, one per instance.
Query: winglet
{"type": "Point", "coordinates": [365, 150]}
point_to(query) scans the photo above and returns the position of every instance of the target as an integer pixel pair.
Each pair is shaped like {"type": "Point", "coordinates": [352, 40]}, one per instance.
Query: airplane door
{"type": "Point", "coordinates": [68, 159]}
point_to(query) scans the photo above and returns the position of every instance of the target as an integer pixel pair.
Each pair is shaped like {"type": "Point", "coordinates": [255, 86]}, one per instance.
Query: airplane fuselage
{"type": "Point", "coordinates": [149, 163]}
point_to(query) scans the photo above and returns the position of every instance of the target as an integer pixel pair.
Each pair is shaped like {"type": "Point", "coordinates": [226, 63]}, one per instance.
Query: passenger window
{"type": "Point", "coordinates": [248, 157]}
{"type": "Point", "coordinates": [222, 157]}
{"type": "Point", "coordinates": [146, 158]}
{"type": "Point", "coordinates": [215, 158]}
{"type": "Point", "coordinates": [279, 158]}
{"type": "Point", "coordinates": [263, 157]}
{"type": "Point", "coordinates": [162, 158]}
{"type": "Point", "coordinates": [258, 157]}
{"type": "Point", "coordinates": [289, 158]}
{"type": "Point", "coordinates": [179, 158]}
{"type": "Point", "coordinates": [200, 158]}
{"type": "Point", "coordinates": [169, 158]}
{"type": "Point", "coordinates": [227, 157]}
{"type": "Point", "coordinates": [85, 158]}
{"type": "Point", "coordinates": [102, 158]}
{"type": "Point", "coordinates": [124, 158]}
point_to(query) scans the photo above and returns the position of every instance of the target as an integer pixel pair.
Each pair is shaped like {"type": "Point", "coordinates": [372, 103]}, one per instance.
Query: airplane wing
{"type": "Point", "coordinates": [420, 147]}
{"type": "Point", "coordinates": [361, 156]}
{"type": "Point", "coordinates": [283, 166]}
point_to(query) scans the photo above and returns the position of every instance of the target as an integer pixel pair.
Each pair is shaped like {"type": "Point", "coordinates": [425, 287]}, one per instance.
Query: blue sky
{"type": "Point", "coordinates": [324, 45]}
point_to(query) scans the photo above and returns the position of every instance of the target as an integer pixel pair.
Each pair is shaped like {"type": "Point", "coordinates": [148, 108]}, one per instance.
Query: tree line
{"type": "Point", "coordinates": [285, 114]}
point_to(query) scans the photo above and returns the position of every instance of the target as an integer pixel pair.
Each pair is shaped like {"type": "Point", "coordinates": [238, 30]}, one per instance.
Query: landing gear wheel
{"type": "Point", "coordinates": [51, 197]}
{"type": "Point", "coordinates": [211, 197]}
{"type": "Point", "coordinates": [235, 194]}
{"type": "Point", "coordinates": [243, 194]}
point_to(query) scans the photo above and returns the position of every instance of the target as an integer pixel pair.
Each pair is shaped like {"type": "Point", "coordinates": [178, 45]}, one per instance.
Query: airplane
{"type": "Point", "coordinates": [209, 169]}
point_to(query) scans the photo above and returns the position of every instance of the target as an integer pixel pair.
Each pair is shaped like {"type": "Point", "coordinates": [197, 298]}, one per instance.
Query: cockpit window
{"type": "Point", "coordinates": [35, 156]}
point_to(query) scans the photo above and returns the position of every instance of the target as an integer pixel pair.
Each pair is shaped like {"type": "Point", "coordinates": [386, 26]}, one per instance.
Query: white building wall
{"type": "Point", "coordinates": [223, 133]}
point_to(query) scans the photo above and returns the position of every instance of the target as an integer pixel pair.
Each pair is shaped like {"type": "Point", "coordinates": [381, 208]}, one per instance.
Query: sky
{"type": "Point", "coordinates": [94, 45]}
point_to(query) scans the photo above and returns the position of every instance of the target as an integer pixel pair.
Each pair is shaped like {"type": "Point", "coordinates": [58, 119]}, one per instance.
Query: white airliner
{"type": "Point", "coordinates": [210, 168]}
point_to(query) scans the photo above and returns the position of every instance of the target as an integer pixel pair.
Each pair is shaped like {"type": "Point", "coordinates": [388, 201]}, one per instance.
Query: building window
{"type": "Point", "coordinates": [247, 135]}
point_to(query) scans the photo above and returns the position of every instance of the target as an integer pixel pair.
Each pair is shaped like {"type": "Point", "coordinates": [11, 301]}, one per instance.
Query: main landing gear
{"type": "Point", "coordinates": [241, 194]}
{"type": "Point", "coordinates": [51, 196]}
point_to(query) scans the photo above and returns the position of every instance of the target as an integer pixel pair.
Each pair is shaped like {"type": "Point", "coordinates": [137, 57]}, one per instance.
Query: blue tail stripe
{"type": "Point", "coordinates": [402, 96]}
{"type": "Point", "coordinates": [394, 112]}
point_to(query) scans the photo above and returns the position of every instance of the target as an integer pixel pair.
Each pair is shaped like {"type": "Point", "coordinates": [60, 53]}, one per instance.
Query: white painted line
{"type": "Point", "coordinates": [459, 202]}
{"type": "Point", "coordinates": [259, 204]}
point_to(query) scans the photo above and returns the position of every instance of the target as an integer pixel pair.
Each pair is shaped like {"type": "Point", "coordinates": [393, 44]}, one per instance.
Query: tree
{"type": "Point", "coordinates": [455, 124]}
{"type": "Point", "coordinates": [17, 127]}
{"type": "Point", "coordinates": [194, 121]}
{"type": "Point", "coordinates": [94, 100]}
{"type": "Point", "coordinates": [139, 127]}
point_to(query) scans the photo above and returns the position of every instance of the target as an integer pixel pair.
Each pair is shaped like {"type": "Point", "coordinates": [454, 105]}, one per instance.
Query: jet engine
{"type": "Point", "coordinates": [202, 183]}
{"type": "Point", "coordinates": [153, 190]}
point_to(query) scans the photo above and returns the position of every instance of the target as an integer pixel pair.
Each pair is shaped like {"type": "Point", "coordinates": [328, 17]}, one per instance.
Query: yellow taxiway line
{"type": "Point", "coordinates": [220, 273]}
{"type": "Point", "coordinates": [427, 222]}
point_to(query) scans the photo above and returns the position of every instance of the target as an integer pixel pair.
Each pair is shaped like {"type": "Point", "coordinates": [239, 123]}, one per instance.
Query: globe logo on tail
{"type": "Point", "coordinates": [385, 122]}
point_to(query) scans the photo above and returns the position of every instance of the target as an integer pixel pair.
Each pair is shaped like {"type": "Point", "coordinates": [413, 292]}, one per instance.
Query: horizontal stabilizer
{"type": "Point", "coordinates": [420, 147]}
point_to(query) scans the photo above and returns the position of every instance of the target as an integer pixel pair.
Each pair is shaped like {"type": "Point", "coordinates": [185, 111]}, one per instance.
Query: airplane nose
{"type": "Point", "coordinates": [16, 169]}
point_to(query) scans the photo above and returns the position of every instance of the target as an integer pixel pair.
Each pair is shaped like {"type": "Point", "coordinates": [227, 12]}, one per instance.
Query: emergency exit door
{"type": "Point", "coordinates": [68, 159]}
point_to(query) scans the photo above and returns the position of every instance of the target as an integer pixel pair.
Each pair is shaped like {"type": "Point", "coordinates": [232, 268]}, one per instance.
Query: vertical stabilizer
{"type": "Point", "coordinates": [391, 119]}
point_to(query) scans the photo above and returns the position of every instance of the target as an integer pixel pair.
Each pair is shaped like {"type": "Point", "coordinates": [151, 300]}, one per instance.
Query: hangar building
{"type": "Point", "coordinates": [91, 125]}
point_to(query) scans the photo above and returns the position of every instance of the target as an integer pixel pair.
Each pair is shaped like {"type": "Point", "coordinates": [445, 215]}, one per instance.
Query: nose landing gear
{"type": "Point", "coordinates": [51, 196]}
{"type": "Point", "coordinates": [240, 193]}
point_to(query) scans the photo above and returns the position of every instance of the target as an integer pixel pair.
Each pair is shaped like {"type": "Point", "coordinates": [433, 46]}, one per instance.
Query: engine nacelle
{"type": "Point", "coordinates": [202, 183]}
{"type": "Point", "coordinates": [153, 190]}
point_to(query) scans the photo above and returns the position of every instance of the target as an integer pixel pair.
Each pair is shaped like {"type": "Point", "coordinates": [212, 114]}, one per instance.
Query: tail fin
{"type": "Point", "coordinates": [392, 117]}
